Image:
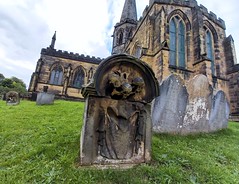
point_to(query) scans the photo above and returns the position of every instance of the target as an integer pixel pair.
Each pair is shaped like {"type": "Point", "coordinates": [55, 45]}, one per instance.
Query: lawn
{"type": "Point", "coordinates": [40, 144]}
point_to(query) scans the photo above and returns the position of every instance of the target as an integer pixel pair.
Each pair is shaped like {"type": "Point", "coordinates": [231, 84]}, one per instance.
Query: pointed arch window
{"type": "Point", "coordinates": [209, 48]}
{"type": "Point", "coordinates": [79, 78]}
{"type": "Point", "coordinates": [120, 38]}
{"type": "Point", "coordinates": [56, 75]}
{"type": "Point", "coordinates": [177, 42]}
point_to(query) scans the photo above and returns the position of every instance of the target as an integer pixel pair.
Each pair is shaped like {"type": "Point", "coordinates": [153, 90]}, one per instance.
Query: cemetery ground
{"type": "Point", "coordinates": [40, 144]}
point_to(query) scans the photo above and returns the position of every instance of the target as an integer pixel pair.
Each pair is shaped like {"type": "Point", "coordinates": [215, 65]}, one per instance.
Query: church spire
{"type": "Point", "coordinates": [124, 30]}
{"type": "Point", "coordinates": [129, 12]}
{"type": "Point", "coordinates": [53, 40]}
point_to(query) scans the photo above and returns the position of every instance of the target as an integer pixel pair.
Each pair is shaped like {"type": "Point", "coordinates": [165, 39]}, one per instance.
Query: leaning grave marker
{"type": "Point", "coordinates": [117, 123]}
{"type": "Point", "coordinates": [169, 108]}
{"type": "Point", "coordinates": [220, 112]}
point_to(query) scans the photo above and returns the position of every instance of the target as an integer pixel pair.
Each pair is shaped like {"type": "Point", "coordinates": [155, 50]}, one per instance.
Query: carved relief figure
{"type": "Point", "coordinates": [121, 123]}
{"type": "Point", "coordinates": [121, 130]}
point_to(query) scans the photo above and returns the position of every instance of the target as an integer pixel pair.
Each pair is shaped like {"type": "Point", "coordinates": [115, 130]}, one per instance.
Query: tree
{"type": "Point", "coordinates": [18, 81]}
{"type": "Point", "coordinates": [12, 84]}
{"type": "Point", "coordinates": [7, 83]}
{"type": "Point", "coordinates": [1, 77]}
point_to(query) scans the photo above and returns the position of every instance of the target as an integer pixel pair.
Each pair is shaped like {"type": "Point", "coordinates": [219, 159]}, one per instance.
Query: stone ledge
{"type": "Point", "coordinates": [180, 68]}
{"type": "Point", "coordinates": [202, 60]}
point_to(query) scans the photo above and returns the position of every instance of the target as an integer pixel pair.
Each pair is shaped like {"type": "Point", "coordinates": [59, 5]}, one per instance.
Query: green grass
{"type": "Point", "coordinates": [40, 144]}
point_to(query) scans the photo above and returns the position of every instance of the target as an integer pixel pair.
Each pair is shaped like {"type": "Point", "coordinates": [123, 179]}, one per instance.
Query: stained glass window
{"type": "Point", "coordinates": [177, 42]}
{"type": "Point", "coordinates": [79, 78]}
{"type": "Point", "coordinates": [56, 75]}
{"type": "Point", "coordinates": [209, 49]}
{"type": "Point", "coordinates": [173, 41]}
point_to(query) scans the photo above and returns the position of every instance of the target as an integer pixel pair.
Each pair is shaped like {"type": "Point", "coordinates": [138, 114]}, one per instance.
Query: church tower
{"type": "Point", "coordinates": [124, 30]}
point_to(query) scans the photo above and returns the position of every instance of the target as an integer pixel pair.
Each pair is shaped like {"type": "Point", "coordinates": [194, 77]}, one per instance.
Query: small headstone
{"type": "Point", "coordinates": [220, 112]}
{"type": "Point", "coordinates": [199, 107]}
{"type": "Point", "coordinates": [12, 98]}
{"type": "Point", "coordinates": [45, 98]}
{"type": "Point", "coordinates": [169, 108]}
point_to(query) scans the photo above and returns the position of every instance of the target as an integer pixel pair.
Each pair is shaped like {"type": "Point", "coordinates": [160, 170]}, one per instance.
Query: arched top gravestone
{"type": "Point", "coordinates": [117, 123]}
{"type": "Point", "coordinates": [125, 77]}
{"type": "Point", "coordinates": [12, 98]}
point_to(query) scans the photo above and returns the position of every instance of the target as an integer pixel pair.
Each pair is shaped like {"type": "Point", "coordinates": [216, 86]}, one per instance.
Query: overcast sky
{"type": "Point", "coordinates": [83, 26]}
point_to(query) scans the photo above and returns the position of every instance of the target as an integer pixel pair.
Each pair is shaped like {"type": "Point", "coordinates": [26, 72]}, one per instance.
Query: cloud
{"type": "Point", "coordinates": [20, 28]}
{"type": "Point", "coordinates": [84, 27]}
{"type": "Point", "coordinates": [26, 26]}
{"type": "Point", "coordinates": [80, 25]}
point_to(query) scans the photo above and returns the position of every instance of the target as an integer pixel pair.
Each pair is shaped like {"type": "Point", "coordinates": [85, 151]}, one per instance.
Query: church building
{"type": "Point", "coordinates": [171, 36]}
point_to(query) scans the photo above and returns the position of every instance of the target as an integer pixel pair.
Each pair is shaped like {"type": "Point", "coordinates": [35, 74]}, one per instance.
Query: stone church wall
{"type": "Point", "coordinates": [149, 40]}
{"type": "Point", "coordinates": [69, 63]}
{"type": "Point", "coordinates": [152, 35]}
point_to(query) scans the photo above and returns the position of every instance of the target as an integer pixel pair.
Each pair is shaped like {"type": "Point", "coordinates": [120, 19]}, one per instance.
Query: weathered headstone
{"type": "Point", "coordinates": [219, 113]}
{"type": "Point", "coordinates": [117, 123]}
{"type": "Point", "coordinates": [199, 107]}
{"type": "Point", "coordinates": [191, 109]}
{"type": "Point", "coordinates": [12, 98]}
{"type": "Point", "coordinates": [45, 98]}
{"type": "Point", "coordinates": [169, 108]}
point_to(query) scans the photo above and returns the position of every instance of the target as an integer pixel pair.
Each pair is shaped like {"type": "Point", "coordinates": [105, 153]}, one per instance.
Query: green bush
{"type": "Point", "coordinates": [12, 84]}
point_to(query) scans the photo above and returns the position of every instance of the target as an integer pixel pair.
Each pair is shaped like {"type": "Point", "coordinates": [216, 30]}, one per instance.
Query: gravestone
{"type": "Point", "coordinates": [199, 107]}
{"type": "Point", "coordinates": [117, 123]}
{"type": "Point", "coordinates": [169, 108]}
{"type": "Point", "coordinates": [45, 98]}
{"type": "Point", "coordinates": [191, 109]}
{"type": "Point", "coordinates": [219, 113]}
{"type": "Point", "coordinates": [12, 98]}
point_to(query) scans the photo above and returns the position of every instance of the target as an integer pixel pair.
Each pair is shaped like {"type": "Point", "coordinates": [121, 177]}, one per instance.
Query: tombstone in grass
{"type": "Point", "coordinates": [45, 98]}
{"type": "Point", "coordinates": [117, 123]}
{"type": "Point", "coordinates": [169, 108]}
{"type": "Point", "coordinates": [199, 106]}
{"type": "Point", "coordinates": [191, 109]}
{"type": "Point", "coordinates": [220, 112]}
{"type": "Point", "coordinates": [12, 98]}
